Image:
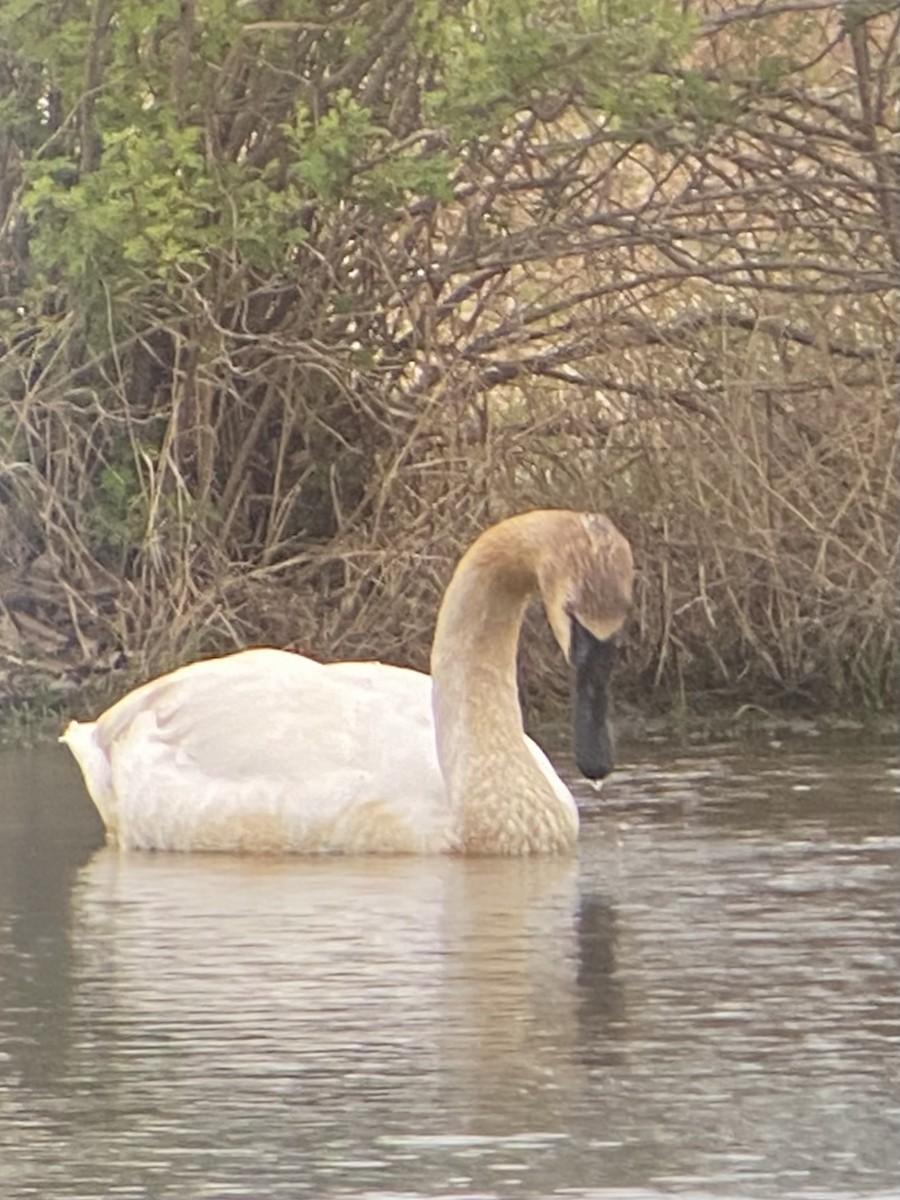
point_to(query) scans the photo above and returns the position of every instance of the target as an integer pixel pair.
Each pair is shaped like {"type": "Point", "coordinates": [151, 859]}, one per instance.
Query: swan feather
{"type": "Point", "coordinates": [268, 751]}
{"type": "Point", "coordinates": [260, 752]}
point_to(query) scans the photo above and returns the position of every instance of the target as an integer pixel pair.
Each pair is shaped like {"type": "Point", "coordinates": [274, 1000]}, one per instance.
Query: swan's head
{"type": "Point", "coordinates": [586, 583]}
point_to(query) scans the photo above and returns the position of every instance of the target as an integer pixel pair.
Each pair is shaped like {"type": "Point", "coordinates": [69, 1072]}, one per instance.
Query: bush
{"type": "Point", "coordinates": [289, 308]}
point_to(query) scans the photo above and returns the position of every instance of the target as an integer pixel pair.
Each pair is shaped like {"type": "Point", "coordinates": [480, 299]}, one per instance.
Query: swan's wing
{"type": "Point", "coordinates": [269, 750]}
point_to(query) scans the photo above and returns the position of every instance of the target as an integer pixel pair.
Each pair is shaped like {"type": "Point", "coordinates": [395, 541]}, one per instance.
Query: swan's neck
{"type": "Point", "coordinates": [502, 802]}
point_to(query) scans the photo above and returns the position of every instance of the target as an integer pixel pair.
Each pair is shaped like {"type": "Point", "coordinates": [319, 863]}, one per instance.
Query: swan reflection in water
{"type": "Point", "coordinates": [371, 988]}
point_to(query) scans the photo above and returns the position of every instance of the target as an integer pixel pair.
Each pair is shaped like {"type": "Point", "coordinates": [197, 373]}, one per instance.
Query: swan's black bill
{"type": "Point", "coordinates": [592, 662]}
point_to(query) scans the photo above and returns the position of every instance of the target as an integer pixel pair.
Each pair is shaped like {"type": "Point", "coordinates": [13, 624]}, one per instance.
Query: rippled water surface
{"type": "Point", "coordinates": [704, 1003]}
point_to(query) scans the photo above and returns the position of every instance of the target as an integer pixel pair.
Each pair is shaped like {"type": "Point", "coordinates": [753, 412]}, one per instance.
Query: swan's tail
{"type": "Point", "coordinates": [82, 739]}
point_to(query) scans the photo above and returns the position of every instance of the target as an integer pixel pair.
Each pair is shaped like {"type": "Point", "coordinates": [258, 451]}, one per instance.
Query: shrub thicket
{"type": "Point", "coordinates": [296, 296]}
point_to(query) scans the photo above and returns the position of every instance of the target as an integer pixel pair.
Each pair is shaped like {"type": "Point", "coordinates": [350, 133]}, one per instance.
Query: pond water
{"type": "Point", "coordinates": [703, 1003]}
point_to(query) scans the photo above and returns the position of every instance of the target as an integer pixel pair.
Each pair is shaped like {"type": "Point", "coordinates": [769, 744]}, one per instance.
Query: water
{"type": "Point", "coordinates": [703, 1004]}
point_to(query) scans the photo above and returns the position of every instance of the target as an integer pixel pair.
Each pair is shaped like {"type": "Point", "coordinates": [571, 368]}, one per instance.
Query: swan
{"type": "Point", "coordinates": [266, 751]}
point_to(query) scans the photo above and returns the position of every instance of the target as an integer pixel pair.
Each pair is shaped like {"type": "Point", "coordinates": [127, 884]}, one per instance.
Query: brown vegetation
{"type": "Point", "coordinates": [691, 325]}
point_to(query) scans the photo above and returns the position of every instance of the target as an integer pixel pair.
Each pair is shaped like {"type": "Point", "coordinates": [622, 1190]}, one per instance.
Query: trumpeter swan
{"type": "Point", "coordinates": [268, 751]}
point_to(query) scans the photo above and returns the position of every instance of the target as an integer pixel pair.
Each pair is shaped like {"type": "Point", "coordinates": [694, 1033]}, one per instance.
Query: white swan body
{"type": "Point", "coordinates": [268, 751]}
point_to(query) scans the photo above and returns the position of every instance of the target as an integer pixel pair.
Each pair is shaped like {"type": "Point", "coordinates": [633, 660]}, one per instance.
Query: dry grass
{"type": "Point", "coordinates": [694, 331]}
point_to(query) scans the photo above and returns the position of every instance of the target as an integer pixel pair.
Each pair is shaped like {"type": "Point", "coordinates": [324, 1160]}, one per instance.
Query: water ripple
{"type": "Point", "coordinates": [703, 1004]}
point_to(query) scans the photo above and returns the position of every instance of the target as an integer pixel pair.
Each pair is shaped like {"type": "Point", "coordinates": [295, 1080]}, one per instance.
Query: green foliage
{"type": "Point", "coordinates": [116, 517]}
{"type": "Point", "coordinates": [161, 201]}
{"type": "Point", "coordinates": [773, 69]}
{"type": "Point", "coordinates": [152, 214]}
{"type": "Point", "coordinates": [858, 12]}
{"type": "Point", "coordinates": [328, 153]}
{"type": "Point", "coordinates": [346, 153]}
{"type": "Point", "coordinates": [493, 59]}
{"type": "Point", "coordinates": [705, 103]}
